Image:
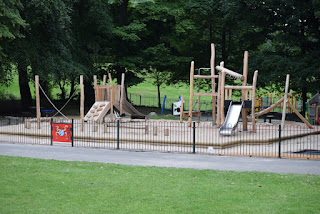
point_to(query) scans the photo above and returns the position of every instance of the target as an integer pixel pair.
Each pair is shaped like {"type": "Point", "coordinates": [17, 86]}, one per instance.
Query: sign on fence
{"type": "Point", "coordinates": [62, 132]}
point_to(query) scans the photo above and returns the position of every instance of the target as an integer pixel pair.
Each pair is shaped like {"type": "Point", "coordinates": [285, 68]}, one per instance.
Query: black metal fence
{"type": "Point", "coordinates": [149, 101]}
{"type": "Point", "coordinates": [292, 141]}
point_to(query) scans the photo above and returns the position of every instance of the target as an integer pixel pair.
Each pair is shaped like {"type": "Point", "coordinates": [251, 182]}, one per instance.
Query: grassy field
{"type": "Point", "coordinates": [147, 88]}
{"type": "Point", "coordinates": [49, 186]}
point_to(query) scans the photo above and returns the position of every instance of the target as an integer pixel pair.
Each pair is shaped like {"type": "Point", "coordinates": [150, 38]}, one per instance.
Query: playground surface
{"type": "Point", "coordinates": [273, 165]}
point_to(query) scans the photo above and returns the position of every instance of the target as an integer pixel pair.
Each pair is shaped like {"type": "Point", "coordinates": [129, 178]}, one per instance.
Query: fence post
{"type": "Point", "coordinates": [118, 133]}
{"type": "Point", "coordinates": [279, 154]}
{"type": "Point", "coordinates": [194, 137]}
{"type": "Point", "coordinates": [72, 132]}
{"type": "Point", "coordinates": [140, 100]}
{"type": "Point", "coordinates": [51, 131]}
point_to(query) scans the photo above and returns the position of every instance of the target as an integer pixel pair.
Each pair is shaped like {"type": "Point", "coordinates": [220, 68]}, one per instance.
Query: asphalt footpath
{"type": "Point", "coordinates": [176, 160]}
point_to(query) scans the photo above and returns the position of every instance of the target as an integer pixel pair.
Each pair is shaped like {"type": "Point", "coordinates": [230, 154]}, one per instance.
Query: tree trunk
{"type": "Point", "coordinates": [123, 15]}
{"type": "Point", "coordinates": [159, 101]}
{"type": "Point", "coordinates": [26, 98]}
{"type": "Point", "coordinates": [72, 88]}
{"type": "Point", "coordinates": [63, 91]}
{"type": "Point", "coordinates": [304, 99]}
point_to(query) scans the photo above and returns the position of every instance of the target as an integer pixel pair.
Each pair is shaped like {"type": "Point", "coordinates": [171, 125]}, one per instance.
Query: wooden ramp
{"type": "Point", "coordinates": [98, 111]}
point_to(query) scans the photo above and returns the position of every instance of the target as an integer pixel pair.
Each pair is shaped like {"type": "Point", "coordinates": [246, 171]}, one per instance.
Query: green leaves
{"type": "Point", "coordinates": [130, 32]}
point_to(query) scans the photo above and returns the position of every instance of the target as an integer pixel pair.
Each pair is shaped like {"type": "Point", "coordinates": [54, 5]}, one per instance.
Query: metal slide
{"type": "Point", "coordinates": [232, 119]}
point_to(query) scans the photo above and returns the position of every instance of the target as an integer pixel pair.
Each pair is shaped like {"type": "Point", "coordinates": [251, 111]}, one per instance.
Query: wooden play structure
{"type": "Point", "coordinates": [213, 93]}
{"type": "Point", "coordinates": [285, 101]}
{"type": "Point", "coordinates": [38, 111]}
{"type": "Point", "coordinates": [224, 91]}
{"type": "Point", "coordinates": [223, 98]}
{"type": "Point", "coordinates": [108, 97]}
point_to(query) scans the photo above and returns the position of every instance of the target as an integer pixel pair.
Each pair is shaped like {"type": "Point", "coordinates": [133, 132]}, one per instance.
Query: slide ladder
{"type": "Point", "coordinates": [232, 118]}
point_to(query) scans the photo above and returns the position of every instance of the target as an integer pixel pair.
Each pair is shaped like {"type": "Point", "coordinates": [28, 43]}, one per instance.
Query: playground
{"type": "Point", "coordinates": [233, 129]}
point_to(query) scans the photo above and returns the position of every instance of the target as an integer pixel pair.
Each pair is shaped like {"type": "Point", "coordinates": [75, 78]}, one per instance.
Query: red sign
{"type": "Point", "coordinates": [61, 132]}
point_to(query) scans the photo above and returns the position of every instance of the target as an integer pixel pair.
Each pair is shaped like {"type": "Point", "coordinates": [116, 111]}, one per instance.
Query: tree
{"type": "Point", "coordinates": [293, 47]}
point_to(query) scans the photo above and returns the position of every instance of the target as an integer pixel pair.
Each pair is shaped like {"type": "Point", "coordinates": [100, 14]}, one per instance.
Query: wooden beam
{"type": "Point", "coordinates": [37, 100]}
{"type": "Point", "coordinates": [122, 92]}
{"type": "Point", "coordinates": [270, 108]}
{"type": "Point", "coordinates": [111, 100]}
{"type": "Point", "coordinates": [299, 115]}
{"type": "Point", "coordinates": [213, 83]}
{"type": "Point", "coordinates": [104, 79]}
{"type": "Point", "coordinates": [94, 86]}
{"type": "Point", "coordinates": [229, 72]}
{"type": "Point", "coordinates": [254, 84]}
{"type": "Point", "coordinates": [230, 94]}
{"type": "Point", "coordinates": [206, 77]}
{"type": "Point", "coordinates": [191, 93]}
{"type": "Point", "coordinates": [219, 101]}
{"type": "Point", "coordinates": [205, 94]}
{"type": "Point", "coordinates": [238, 87]}
{"type": "Point", "coordinates": [285, 102]}
{"type": "Point", "coordinates": [81, 102]}
{"type": "Point", "coordinates": [223, 76]}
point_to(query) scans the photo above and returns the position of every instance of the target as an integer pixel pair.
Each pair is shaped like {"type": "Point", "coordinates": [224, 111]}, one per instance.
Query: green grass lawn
{"type": "Point", "coordinates": [49, 186]}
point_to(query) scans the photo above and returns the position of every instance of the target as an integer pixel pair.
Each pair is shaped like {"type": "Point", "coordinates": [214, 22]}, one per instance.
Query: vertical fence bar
{"type": "Point", "coordinates": [51, 131]}
{"type": "Point", "coordinates": [194, 137]}
{"type": "Point", "coordinates": [279, 151]}
{"type": "Point", "coordinates": [118, 134]}
{"type": "Point", "coordinates": [72, 132]}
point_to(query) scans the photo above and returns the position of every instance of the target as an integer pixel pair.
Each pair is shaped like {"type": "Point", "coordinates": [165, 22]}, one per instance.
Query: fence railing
{"type": "Point", "coordinates": [205, 105]}
{"type": "Point", "coordinates": [293, 141]}
{"type": "Point", "coordinates": [149, 101]}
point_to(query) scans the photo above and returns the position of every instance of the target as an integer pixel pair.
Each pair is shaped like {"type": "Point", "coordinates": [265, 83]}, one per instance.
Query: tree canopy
{"type": "Point", "coordinates": [60, 39]}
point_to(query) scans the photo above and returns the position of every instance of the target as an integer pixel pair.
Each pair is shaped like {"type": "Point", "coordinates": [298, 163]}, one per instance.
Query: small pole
{"type": "Point", "coordinates": [279, 154]}
{"type": "Point", "coordinates": [140, 100]}
{"type": "Point", "coordinates": [51, 131]}
{"type": "Point", "coordinates": [71, 132]}
{"type": "Point", "coordinates": [118, 134]}
{"type": "Point", "coordinates": [194, 137]}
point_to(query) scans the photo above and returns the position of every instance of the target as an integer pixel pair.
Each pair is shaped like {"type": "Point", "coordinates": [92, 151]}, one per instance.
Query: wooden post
{"type": "Point", "coordinates": [198, 109]}
{"type": "Point", "coordinates": [104, 79]}
{"type": "Point", "coordinates": [191, 93]}
{"type": "Point", "coordinates": [111, 100]}
{"type": "Point", "coordinates": [181, 110]}
{"type": "Point", "coordinates": [230, 93]}
{"type": "Point", "coordinates": [94, 86]}
{"type": "Point", "coordinates": [37, 100]}
{"type": "Point", "coordinates": [81, 102]}
{"type": "Point", "coordinates": [166, 132]}
{"type": "Point", "coordinates": [254, 84]}
{"type": "Point", "coordinates": [213, 84]}
{"type": "Point", "coordinates": [223, 79]}
{"type": "Point", "coordinates": [285, 102]}
{"type": "Point", "coordinates": [122, 93]}
{"type": "Point", "coordinates": [155, 131]}
{"type": "Point", "coordinates": [104, 91]}
{"type": "Point", "coordinates": [245, 92]}
{"type": "Point", "coordinates": [219, 101]}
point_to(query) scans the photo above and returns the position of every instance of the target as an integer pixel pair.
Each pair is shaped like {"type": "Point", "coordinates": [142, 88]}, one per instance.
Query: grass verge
{"type": "Point", "coordinates": [50, 186]}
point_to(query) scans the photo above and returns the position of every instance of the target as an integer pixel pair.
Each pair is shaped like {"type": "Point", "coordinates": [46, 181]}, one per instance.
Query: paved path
{"type": "Point", "coordinates": [194, 161]}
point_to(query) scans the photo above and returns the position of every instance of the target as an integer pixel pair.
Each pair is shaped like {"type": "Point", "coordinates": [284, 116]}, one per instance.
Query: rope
{"type": "Point", "coordinates": [66, 103]}
{"type": "Point", "coordinates": [52, 103]}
